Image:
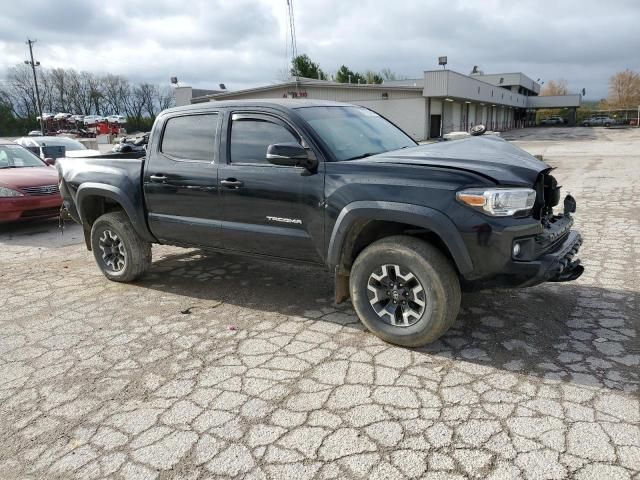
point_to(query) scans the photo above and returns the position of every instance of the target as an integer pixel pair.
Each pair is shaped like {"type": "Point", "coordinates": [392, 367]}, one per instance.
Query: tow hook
{"type": "Point", "coordinates": [62, 217]}
{"type": "Point", "coordinates": [571, 272]}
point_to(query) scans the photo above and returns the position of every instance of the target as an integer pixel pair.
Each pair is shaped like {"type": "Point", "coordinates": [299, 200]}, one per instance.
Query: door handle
{"type": "Point", "coordinates": [231, 183]}
{"type": "Point", "coordinates": [158, 178]}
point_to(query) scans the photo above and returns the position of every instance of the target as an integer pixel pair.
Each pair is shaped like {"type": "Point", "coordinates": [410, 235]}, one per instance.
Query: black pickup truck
{"type": "Point", "coordinates": [404, 227]}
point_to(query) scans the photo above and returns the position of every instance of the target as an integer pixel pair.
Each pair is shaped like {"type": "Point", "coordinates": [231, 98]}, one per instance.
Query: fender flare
{"type": "Point", "coordinates": [117, 195]}
{"type": "Point", "coordinates": [417, 215]}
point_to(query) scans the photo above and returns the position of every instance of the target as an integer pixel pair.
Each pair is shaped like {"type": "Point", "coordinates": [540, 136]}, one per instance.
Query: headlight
{"type": "Point", "coordinates": [499, 202]}
{"type": "Point", "coordinates": [7, 192]}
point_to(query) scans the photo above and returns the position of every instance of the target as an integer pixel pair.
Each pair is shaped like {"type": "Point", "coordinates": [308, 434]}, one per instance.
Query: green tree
{"type": "Point", "coordinates": [372, 77]}
{"type": "Point", "coordinates": [303, 66]}
{"type": "Point", "coordinates": [346, 75]}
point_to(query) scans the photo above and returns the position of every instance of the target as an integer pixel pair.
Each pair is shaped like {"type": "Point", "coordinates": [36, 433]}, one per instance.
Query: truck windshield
{"type": "Point", "coordinates": [354, 132]}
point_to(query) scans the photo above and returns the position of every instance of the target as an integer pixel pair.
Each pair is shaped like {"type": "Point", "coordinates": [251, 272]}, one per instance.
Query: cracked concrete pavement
{"type": "Point", "coordinates": [228, 367]}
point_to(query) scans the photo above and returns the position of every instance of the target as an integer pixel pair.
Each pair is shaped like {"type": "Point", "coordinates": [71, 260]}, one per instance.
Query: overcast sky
{"type": "Point", "coordinates": [243, 42]}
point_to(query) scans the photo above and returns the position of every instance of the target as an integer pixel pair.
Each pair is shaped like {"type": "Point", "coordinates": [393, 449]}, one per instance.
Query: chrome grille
{"type": "Point", "coordinates": [42, 190]}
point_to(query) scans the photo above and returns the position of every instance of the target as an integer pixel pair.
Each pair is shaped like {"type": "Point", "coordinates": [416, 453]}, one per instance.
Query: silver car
{"type": "Point", "coordinates": [598, 121]}
{"type": "Point", "coordinates": [42, 146]}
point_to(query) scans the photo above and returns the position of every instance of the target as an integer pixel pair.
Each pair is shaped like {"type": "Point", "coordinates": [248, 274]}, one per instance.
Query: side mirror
{"type": "Point", "coordinates": [50, 161]}
{"type": "Point", "coordinates": [290, 155]}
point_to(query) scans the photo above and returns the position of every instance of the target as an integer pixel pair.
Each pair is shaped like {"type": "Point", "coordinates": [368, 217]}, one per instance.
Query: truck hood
{"type": "Point", "coordinates": [489, 156]}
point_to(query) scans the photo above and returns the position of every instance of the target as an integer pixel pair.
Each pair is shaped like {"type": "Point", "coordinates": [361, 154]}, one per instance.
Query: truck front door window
{"type": "Point", "coordinates": [190, 137]}
{"type": "Point", "coordinates": [251, 137]}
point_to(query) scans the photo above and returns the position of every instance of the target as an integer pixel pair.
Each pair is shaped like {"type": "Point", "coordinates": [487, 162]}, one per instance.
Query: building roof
{"type": "Point", "coordinates": [301, 81]}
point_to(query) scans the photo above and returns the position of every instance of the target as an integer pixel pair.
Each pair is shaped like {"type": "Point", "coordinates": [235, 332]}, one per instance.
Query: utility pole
{"type": "Point", "coordinates": [35, 81]}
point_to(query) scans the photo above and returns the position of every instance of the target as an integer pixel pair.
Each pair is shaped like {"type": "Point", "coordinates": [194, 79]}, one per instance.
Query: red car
{"type": "Point", "coordinates": [28, 185]}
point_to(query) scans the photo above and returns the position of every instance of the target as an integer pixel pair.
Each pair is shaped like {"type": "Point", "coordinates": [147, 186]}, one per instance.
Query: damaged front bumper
{"type": "Point", "coordinates": [560, 264]}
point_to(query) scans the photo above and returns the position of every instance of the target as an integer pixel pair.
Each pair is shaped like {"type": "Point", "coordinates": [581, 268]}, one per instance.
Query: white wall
{"type": "Point", "coordinates": [410, 114]}
{"type": "Point", "coordinates": [406, 108]}
{"type": "Point", "coordinates": [472, 115]}
{"type": "Point", "coordinates": [182, 96]}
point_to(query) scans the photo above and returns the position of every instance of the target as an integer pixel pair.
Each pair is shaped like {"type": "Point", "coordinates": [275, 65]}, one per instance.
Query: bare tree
{"type": "Point", "coordinates": [148, 94]}
{"type": "Point", "coordinates": [388, 74]}
{"type": "Point", "coordinates": [555, 87]}
{"type": "Point", "coordinates": [165, 98]}
{"type": "Point", "coordinates": [70, 91]}
{"type": "Point", "coordinates": [116, 91]}
{"type": "Point", "coordinates": [624, 90]}
{"type": "Point", "coordinates": [21, 91]}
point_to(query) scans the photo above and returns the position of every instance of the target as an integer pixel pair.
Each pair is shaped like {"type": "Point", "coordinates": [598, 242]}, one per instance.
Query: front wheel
{"type": "Point", "coordinates": [405, 291]}
{"type": "Point", "coordinates": [121, 254]}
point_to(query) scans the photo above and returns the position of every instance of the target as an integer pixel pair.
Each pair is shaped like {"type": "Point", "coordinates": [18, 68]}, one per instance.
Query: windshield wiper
{"type": "Point", "coordinates": [364, 155]}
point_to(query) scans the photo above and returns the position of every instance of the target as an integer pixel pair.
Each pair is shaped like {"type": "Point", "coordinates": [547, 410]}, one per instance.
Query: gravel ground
{"type": "Point", "coordinates": [226, 367]}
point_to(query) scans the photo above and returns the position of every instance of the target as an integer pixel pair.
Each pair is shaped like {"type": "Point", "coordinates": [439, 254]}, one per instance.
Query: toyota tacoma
{"type": "Point", "coordinates": [403, 227]}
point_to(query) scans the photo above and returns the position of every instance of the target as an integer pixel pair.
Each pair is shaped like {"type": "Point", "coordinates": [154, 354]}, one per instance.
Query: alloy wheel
{"type": "Point", "coordinates": [114, 255]}
{"type": "Point", "coordinates": [396, 295]}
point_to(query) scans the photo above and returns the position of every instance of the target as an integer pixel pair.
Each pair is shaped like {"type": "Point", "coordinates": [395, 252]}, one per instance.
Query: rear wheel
{"type": "Point", "coordinates": [121, 254]}
{"type": "Point", "coordinates": [405, 291]}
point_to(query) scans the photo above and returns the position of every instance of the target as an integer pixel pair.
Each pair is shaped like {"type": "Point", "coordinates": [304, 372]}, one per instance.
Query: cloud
{"type": "Point", "coordinates": [242, 42]}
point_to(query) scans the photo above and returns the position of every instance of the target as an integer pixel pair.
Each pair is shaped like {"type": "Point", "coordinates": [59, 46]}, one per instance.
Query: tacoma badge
{"type": "Point", "coordinates": [285, 220]}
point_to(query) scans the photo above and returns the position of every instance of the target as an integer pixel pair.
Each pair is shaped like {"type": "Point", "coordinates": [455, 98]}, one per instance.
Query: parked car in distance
{"type": "Point", "coordinates": [61, 116]}
{"type": "Point", "coordinates": [77, 118]}
{"type": "Point", "coordinates": [120, 119]}
{"type": "Point", "coordinates": [403, 227]}
{"type": "Point", "coordinates": [598, 121]}
{"type": "Point", "coordinates": [28, 186]}
{"type": "Point", "coordinates": [35, 133]}
{"type": "Point", "coordinates": [45, 116]}
{"type": "Point", "coordinates": [552, 121]}
{"type": "Point", "coordinates": [93, 119]}
{"type": "Point", "coordinates": [71, 148]}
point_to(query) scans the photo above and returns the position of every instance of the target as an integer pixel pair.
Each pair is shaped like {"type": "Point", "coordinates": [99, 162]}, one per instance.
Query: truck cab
{"type": "Point", "coordinates": [403, 227]}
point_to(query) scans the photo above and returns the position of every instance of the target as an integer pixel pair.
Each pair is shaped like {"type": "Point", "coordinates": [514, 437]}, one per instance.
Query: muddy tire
{"type": "Point", "coordinates": [405, 291]}
{"type": "Point", "coordinates": [121, 254]}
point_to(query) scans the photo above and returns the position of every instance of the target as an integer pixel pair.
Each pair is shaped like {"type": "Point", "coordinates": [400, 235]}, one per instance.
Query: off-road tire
{"type": "Point", "coordinates": [431, 268]}
{"type": "Point", "coordinates": [137, 251]}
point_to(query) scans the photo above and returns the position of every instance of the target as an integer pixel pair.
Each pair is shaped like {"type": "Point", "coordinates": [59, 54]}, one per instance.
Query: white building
{"type": "Point", "coordinates": [440, 102]}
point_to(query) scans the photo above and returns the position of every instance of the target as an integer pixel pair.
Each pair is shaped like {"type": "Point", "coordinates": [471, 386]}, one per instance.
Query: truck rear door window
{"type": "Point", "coordinates": [190, 137]}
{"type": "Point", "coordinates": [250, 138]}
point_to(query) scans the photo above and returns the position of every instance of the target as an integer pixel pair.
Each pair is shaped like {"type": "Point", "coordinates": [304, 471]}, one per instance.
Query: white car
{"type": "Point", "coordinates": [77, 118]}
{"type": "Point", "coordinates": [117, 119]}
{"type": "Point", "coordinates": [93, 119]}
{"type": "Point", "coordinates": [72, 148]}
{"type": "Point", "coordinates": [45, 116]}
{"type": "Point", "coordinates": [61, 116]}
